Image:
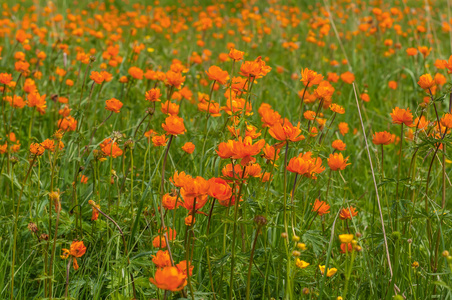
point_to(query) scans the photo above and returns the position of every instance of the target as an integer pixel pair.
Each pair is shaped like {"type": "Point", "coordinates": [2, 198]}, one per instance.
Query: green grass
{"type": "Point", "coordinates": [128, 188]}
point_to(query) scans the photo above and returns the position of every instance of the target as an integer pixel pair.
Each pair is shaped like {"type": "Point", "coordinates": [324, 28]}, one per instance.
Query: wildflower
{"type": "Point", "coordinates": [136, 73]}
{"type": "Point", "coordinates": [346, 248]}
{"type": "Point", "coordinates": [348, 213]}
{"type": "Point", "coordinates": [219, 189]}
{"type": "Point", "coordinates": [113, 105]}
{"type": "Point", "coordinates": [346, 238]}
{"type": "Point", "coordinates": [37, 149]}
{"type": "Point", "coordinates": [285, 131]}
{"type": "Point", "coordinates": [159, 242]}
{"type": "Point", "coordinates": [110, 148]}
{"type": "Point", "coordinates": [382, 138]}
{"type": "Point", "coordinates": [153, 95]}
{"type": "Point", "coordinates": [310, 78]}
{"type": "Point", "coordinates": [175, 79]}
{"type": "Point", "coordinates": [161, 259]}
{"type": "Point", "coordinates": [95, 214]}
{"type": "Point", "coordinates": [426, 81]}
{"type": "Point", "coordinates": [182, 266]}
{"type": "Point", "coordinates": [97, 77]}
{"type": "Point", "coordinates": [306, 165]}
{"type": "Point", "coordinates": [337, 109]}
{"type": "Point", "coordinates": [411, 51]}
{"type": "Point", "coordinates": [348, 77]}
{"type": "Point", "coordinates": [343, 128]}
{"type": "Point", "coordinates": [446, 120]}
{"type": "Point", "coordinates": [392, 84]}
{"type": "Point", "coordinates": [5, 78]}
{"type": "Point", "coordinates": [339, 145]}
{"type": "Point", "coordinates": [402, 116]}
{"type": "Point", "coordinates": [169, 108]}
{"type": "Point", "coordinates": [320, 207]}
{"type": "Point", "coordinates": [169, 278]}
{"type": "Point", "coordinates": [174, 125]}
{"type": "Point", "coordinates": [329, 273]}
{"type": "Point", "coordinates": [217, 74]}
{"type": "Point", "coordinates": [337, 162]}
{"type": "Point", "coordinates": [301, 264]}
{"type": "Point", "coordinates": [170, 202]}
{"type": "Point", "coordinates": [235, 54]}
{"type": "Point", "coordinates": [68, 123]}
{"type": "Point", "coordinates": [245, 149]}
{"type": "Point", "coordinates": [76, 250]}
{"type": "Point", "coordinates": [48, 145]}
{"type": "Point", "coordinates": [188, 147]}
{"type": "Point", "coordinates": [365, 97]}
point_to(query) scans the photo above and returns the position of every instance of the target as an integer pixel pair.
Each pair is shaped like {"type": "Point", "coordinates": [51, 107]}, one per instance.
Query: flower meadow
{"type": "Point", "coordinates": [225, 149]}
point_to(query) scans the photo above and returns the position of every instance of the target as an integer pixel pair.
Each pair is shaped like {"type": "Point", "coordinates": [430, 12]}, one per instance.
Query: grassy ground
{"type": "Point", "coordinates": [114, 181]}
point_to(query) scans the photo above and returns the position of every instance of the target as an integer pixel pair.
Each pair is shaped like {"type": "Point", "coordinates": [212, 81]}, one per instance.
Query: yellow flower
{"type": "Point", "coordinates": [329, 273]}
{"type": "Point", "coordinates": [301, 264]}
{"type": "Point", "coordinates": [346, 238]}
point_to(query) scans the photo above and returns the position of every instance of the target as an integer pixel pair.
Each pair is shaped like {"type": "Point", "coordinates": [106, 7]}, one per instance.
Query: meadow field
{"type": "Point", "coordinates": [225, 149]}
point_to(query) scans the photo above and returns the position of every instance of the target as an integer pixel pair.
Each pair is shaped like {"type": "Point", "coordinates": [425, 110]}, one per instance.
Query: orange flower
{"type": "Point", "coordinates": [182, 266]}
{"type": "Point", "coordinates": [95, 213]}
{"type": "Point", "coordinates": [320, 207]}
{"type": "Point", "coordinates": [337, 109]}
{"type": "Point", "coordinates": [37, 149]}
{"type": "Point", "coordinates": [217, 74]}
{"type": "Point", "coordinates": [170, 202]}
{"type": "Point", "coordinates": [153, 95]}
{"type": "Point", "coordinates": [159, 140]}
{"type": "Point", "coordinates": [113, 105]}
{"type": "Point", "coordinates": [392, 84]}
{"type": "Point", "coordinates": [382, 138]}
{"type": "Point", "coordinates": [338, 145]}
{"type": "Point", "coordinates": [411, 51]}
{"type": "Point", "coordinates": [5, 78]}
{"type": "Point", "coordinates": [348, 213]}
{"type": "Point", "coordinates": [175, 79]}
{"type": "Point", "coordinates": [170, 279]}
{"type": "Point", "coordinates": [365, 97]}
{"type": "Point", "coordinates": [159, 242]}
{"type": "Point", "coordinates": [306, 165]}
{"type": "Point", "coordinates": [348, 77]}
{"type": "Point", "coordinates": [77, 250]}
{"type": "Point", "coordinates": [188, 147]}
{"type": "Point", "coordinates": [97, 77]}
{"type": "Point", "coordinates": [180, 179]}
{"type": "Point", "coordinates": [285, 131]}
{"type": "Point", "coordinates": [236, 54]}
{"type": "Point", "coordinates": [68, 123]}
{"type": "Point", "coordinates": [426, 81]}
{"type": "Point", "coordinates": [170, 108]}
{"type": "Point", "coordinates": [269, 117]}
{"type": "Point", "coordinates": [38, 101]}
{"type": "Point", "coordinates": [225, 149]}
{"type": "Point", "coordinates": [174, 125]}
{"type": "Point", "coordinates": [349, 248]}
{"type": "Point", "coordinates": [48, 145]}
{"type": "Point", "coordinates": [446, 121]}
{"type": "Point", "coordinates": [402, 116]}
{"type": "Point", "coordinates": [269, 152]}
{"type": "Point", "coordinates": [343, 128]}
{"type": "Point", "coordinates": [136, 73]}
{"type": "Point", "coordinates": [219, 189]}
{"type": "Point", "coordinates": [310, 78]}
{"type": "Point", "coordinates": [424, 50]}
{"type": "Point", "coordinates": [161, 259]}
{"type": "Point", "coordinates": [110, 149]}
{"type": "Point", "coordinates": [245, 149]}
{"type": "Point", "coordinates": [194, 187]}
{"type": "Point", "coordinates": [336, 162]}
